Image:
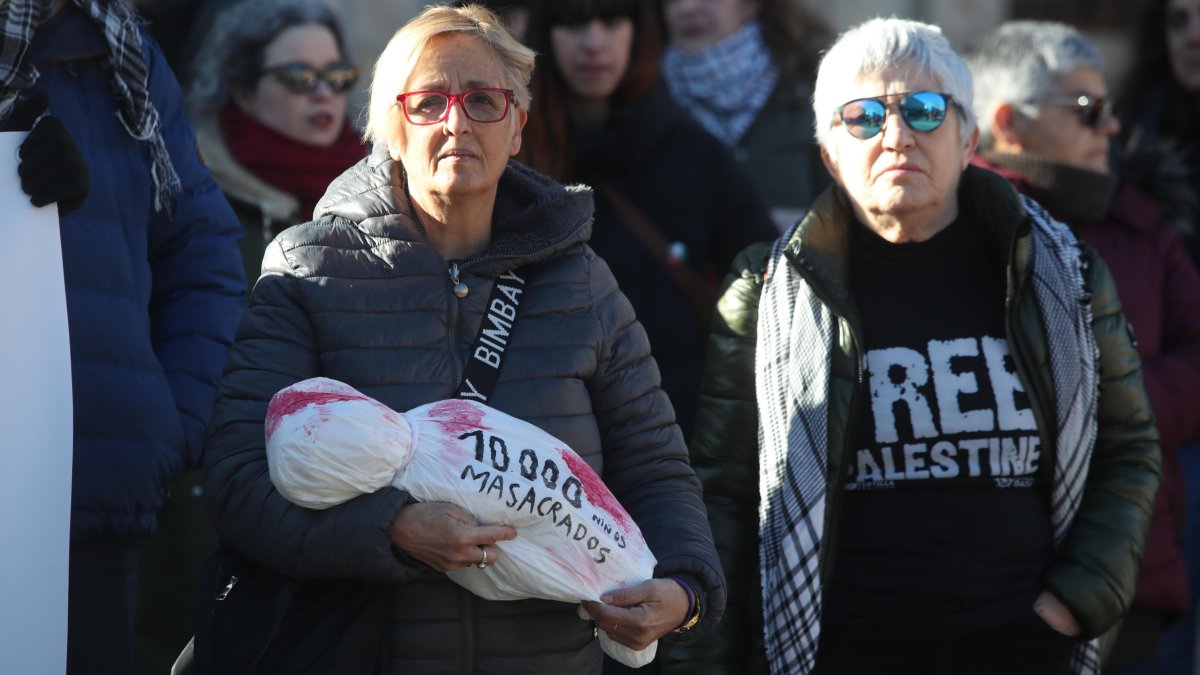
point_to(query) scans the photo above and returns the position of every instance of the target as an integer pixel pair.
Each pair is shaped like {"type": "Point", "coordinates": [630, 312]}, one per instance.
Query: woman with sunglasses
{"type": "Point", "coordinates": [1046, 126]}
{"type": "Point", "coordinates": [923, 439]}
{"type": "Point", "coordinates": [268, 102]}
{"type": "Point", "coordinates": [672, 205]}
{"type": "Point", "coordinates": [387, 291]}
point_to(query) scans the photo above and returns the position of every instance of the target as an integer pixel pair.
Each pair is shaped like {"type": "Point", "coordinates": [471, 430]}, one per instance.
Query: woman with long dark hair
{"type": "Point", "coordinates": [672, 206]}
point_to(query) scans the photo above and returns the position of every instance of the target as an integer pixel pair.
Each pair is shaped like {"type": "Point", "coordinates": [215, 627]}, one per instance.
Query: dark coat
{"type": "Point", "coordinates": [686, 183]}
{"type": "Point", "coordinates": [359, 296]}
{"type": "Point", "coordinates": [780, 153]}
{"type": "Point", "coordinates": [152, 298]}
{"type": "Point", "coordinates": [1159, 289]}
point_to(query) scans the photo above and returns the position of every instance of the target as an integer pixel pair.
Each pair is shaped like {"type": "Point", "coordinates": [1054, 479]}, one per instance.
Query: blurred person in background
{"type": "Point", "coordinates": [268, 101]}
{"type": "Point", "coordinates": [1046, 124]}
{"type": "Point", "coordinates": [672, 205]}
{"type": "Point", "coordinates": [923, 438]}
{"type": "Point", "coordinates": [366, 26]}
{"type": "Point", "coordinates": [513, 13]}
{"type": "Point", "coordinates": [744, 69]}
{"type": "Point", "coordinates": [154, 290]}
{"type": "Point", "coordinates": [1159, 102]}
{"type": "Point", "coordinates": [269, 108]}
{"type": "Point", "coordinates": [385, 291]}
{"type": "Point", "coordinates": [1158, 105]}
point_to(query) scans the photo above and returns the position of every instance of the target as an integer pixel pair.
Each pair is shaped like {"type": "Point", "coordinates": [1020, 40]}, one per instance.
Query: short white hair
{"type": "Point", "coordinates": [399, 59]}
{"type": "Point", "coordinates": [1022, 61]}
{"type": "Point", "coordinates": [892, 45]}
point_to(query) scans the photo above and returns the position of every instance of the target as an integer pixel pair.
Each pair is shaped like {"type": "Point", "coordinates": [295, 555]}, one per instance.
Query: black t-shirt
{"type": "Point", "coordinates": [944, 526]}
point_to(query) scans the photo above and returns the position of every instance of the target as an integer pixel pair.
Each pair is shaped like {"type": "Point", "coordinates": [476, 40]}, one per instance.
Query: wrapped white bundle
{"type": "Point", "coordinates": [328, 443]}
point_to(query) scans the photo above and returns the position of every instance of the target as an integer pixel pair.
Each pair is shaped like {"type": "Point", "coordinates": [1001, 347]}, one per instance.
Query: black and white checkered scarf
{"type": "Point", "coordinates": [792, 372]}
{"type": "Point", "coordinates": [19, 20]}
{"type": "Point", "coordinates": [726, 85]}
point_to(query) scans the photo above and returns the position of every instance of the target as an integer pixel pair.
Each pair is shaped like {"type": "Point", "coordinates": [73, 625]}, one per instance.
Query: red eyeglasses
{"type": "Point", "coordinates": [486, 105]}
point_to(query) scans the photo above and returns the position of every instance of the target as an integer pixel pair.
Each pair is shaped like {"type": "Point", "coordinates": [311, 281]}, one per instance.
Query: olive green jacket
{"type": "Point", "coordinates": [1095, 567]}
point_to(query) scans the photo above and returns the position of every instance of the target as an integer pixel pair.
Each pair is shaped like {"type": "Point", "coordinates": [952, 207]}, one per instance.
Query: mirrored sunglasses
{"type": "Point", "coordinates": [301, 78]}
{"type": "Point", "coordinates": [1091, 109]}
{"type": "Point", "coordinates": [922, 111]}
{"type": "Point", "coordinates": [485, 105]}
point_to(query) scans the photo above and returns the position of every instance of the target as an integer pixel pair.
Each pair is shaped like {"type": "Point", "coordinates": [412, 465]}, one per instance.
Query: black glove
{"type": "Point", "coordinates": [52, 168]}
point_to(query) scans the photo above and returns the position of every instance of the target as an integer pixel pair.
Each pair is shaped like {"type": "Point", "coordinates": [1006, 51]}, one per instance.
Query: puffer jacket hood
{"type": "Point", "coordinates": [535, 218]}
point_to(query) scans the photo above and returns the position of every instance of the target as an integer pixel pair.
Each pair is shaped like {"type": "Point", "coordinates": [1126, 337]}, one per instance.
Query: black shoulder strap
{"type": "Point", "coordinates": [491, 344]}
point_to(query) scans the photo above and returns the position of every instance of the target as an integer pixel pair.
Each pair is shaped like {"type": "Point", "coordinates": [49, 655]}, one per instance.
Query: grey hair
{"type": "Point", "coordinates": [892, 45]}
{"type": "Point", "coordinates": [232, 55]}
{"type": "Point", "coordinates": [1022, 61]}
{"type": "Point", "coordinates": [400, 56]}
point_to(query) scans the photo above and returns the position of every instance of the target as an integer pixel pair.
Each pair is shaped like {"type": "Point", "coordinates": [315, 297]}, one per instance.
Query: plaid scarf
{"type": "Point", "coordinates": [726, 85]}
{"type": "Point", "coordinates": [19, 20]}
{"type": "Point", "coordinates": [792, 374]}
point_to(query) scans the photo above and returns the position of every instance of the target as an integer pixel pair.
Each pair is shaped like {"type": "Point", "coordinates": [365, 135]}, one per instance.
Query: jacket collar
{"type": "Point", "coordinates": [820, 243]}
{"type": "Point", "coordinates": [1069, 193]}
{"type": "Point", "coordinates": [1078, 196]}
{"type": "Point", "coordinates": [535, 218]}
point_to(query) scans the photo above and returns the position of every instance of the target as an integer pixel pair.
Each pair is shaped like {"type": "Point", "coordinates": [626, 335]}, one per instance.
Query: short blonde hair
{"type": "Point", "coordinates": [399, 59]}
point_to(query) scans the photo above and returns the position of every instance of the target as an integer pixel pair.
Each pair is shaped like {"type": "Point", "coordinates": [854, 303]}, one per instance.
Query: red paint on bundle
{"type": "Point", "coordinates": [290, 401]}
{"type": "Point", "coordinates": [458, 416]}
{"type": "Point", "coordinates": [595, 489]}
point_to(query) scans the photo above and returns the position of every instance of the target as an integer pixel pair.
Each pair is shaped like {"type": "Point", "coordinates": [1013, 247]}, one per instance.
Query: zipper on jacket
{"type": "Point", "coordinates": [233, 580]}
{"type": "Point", "coordinates": [454, 272]}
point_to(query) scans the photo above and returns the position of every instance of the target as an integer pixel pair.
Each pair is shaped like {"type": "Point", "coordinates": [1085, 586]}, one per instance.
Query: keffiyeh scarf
{"type": "Point", "coordinates": [724, 86]}
{"type": "Point", "coordinates": [19, 20]}
{"type": "Point", "coordinates": [792, 374]}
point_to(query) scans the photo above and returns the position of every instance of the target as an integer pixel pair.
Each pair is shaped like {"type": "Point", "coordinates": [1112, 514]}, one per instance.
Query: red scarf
{"type": "Point", "coordinates": [299, 169]}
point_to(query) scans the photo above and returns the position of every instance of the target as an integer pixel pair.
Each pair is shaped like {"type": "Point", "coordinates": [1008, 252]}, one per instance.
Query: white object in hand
{"type": "Point", "coordinates": [328, 443]}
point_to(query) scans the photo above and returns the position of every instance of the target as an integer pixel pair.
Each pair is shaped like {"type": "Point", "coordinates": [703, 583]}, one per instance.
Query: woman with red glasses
{"type": "Point", "coordinates": [413, 254]}
{"type": "Point", "coordinates": [1047, 127]}
{"type": "Point", "coordinates": [924, 441]}
{"type": "Point", "coordinates": [268, 102]}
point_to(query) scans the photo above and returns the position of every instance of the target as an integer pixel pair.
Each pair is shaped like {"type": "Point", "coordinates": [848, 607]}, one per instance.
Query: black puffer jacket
{"type": "Point", "coordinates": [360, 297]}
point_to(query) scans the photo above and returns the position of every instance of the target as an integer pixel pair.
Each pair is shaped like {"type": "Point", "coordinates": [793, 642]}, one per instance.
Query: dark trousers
{"type": "Point", "coordinates": [172, 564]}
{"type": "Point", "coordinates": [101, 603]}
{"type": "Point", "coordinates": [1026, 646]}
